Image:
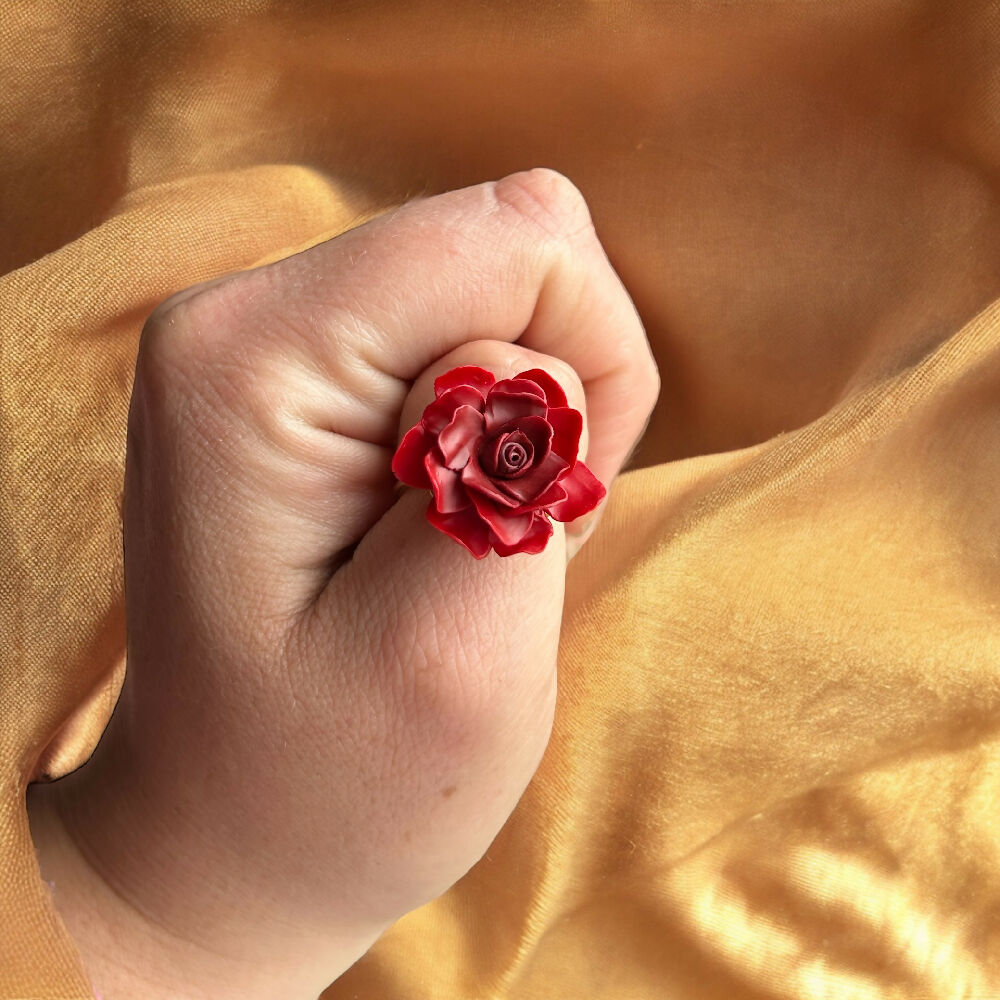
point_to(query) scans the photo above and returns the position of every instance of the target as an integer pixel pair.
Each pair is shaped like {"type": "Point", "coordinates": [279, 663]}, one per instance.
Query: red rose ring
{"type": "Point", "coordinates": [500, 459]}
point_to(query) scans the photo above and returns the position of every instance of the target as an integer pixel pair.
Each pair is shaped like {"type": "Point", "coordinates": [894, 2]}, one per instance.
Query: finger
{"type": "Point", "coordinates": [316, 353]}
{"type": "Point", "coordinates": [515, 260]}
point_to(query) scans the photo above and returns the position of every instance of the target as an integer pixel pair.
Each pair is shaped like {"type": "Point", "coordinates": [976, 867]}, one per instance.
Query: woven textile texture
{"type": "Point", "coordinates": [775, 762]}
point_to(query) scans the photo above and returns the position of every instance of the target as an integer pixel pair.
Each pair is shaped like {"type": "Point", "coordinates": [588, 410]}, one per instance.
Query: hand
{"type": "Point", "coordinates": [330, 708]}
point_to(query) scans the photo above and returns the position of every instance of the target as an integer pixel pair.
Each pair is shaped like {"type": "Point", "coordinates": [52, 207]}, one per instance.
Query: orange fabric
{"type": "Point", "coordinates": [774, 760]}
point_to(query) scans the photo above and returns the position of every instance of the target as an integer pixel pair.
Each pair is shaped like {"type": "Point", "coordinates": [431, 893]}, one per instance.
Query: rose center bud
{"type": "Point", "coordinates": [509, 455]}
{"type": "Point", "coordinates": [513, 456]}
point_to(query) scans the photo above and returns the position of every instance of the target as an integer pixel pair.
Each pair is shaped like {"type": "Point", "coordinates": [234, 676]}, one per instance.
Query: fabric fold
{"type": "Point", "coordinates": [775, 757]}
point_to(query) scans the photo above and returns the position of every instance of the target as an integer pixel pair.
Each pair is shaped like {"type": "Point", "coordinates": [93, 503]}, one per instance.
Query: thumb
{"type": "Point", "coordinates": [462, 650]}
{"type": "Point", "coordinates": [470, 611]}
{"type": "Point", "coordinates": [457, 602]}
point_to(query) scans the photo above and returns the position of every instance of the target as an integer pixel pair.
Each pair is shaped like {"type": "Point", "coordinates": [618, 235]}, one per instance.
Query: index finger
{"type": "Point", "coordinates": [516, 260]}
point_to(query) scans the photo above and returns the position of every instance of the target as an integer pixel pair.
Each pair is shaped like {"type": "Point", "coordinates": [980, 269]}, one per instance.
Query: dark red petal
{"type": "Point", "coordinates": [449, 495]}
{"type": "Point", "coordinates": [537, 430]}
{"type": "Point", "coordinates": [475, 478]}
{"type": "Point", "coordinates": [408, 462]}
{"type": "Point", "coordinates": [508, 526]}
{"type": "Point", "coordinates": [554, 394]}
{"type": "Point", "coordinates": [535, 539]}
{"type": "Point", "coordinates": [478, 378]}
{"type": "Point", "coordinates": [504, 406]}
{"type": "Point", "coordinates": [495, 454]}
{"type": "Point", "coordinates": [552, 495]}
{"type": "Point", "coordinates": [537, 480]}
{"type": "Point", "coordinates": [465, 526]}
{"type": "Point", "coordinates": [490, 452]}
{"type": "Point", "coordinates": [438, 414]}
{"type": "Point", "coordinates": [460, 439]}
{"type": "Point", "coordinates": [567, 426]}
{"type": "Point", "coordinates": [517, 384]}
{"type": "Point", "coordinates": [584, 491]}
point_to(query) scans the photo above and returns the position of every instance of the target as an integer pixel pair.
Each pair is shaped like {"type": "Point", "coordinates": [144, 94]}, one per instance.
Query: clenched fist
{"type": "Point", "coordinates": [330, 707]}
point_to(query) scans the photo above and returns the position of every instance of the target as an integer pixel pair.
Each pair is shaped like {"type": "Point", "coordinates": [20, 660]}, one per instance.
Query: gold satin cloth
{"type": "Point", "coordinates": [775, 762]}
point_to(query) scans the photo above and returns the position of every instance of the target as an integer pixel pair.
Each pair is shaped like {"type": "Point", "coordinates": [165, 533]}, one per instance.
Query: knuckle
{"type": "Point", "coordinates": [198, 342]}
{"type": "Point", "coordinates": [650, 382]}
{"type": "Point", "coordinates": [655, 385]}
{"type": "Point", "coordinates": [158, 341]}
{"type": "Point", "coordinates": [547, 199]}
{"type": "Point", "coordinates": [179, 334]}
{"type": "Point", "coordinates": [644, 378]}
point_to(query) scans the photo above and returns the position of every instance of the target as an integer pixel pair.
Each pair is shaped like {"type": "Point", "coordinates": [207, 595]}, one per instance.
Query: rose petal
{"type": "Point", "coordinates": [460, 439]}
{"type": "Point", "coordinates": [584, 491]}
{"type": "Point", "coordinates": [537, 430]}
{"type": "Point", "coordinates": [408, 462]}
{"type": "Point", "coordinates": [464, 526]}
{"type": "Point", "coordinates": [470, 375]}
{"type": "Point", "coordinates": [515, 458]}
{"type": "Point", "coordinates": [552, 495]}
{"type": "Point", "coordinates": [475, 478]}
{"type": "Point", "coordinates": [439, 414]}
{"type": "Point", "coordinates": [518, 384]}
{"type": "Point", "coordinates": [535, 538]}
{"type": "Point", "coordinates": [449, 495]}
{"type": "Point", "coordinates": [489, 454]}
{"type": "Point", "coordinates": [536, 481]}
{"type": "Point", "coordinates": [567, 426]}
{"type": "Point", "coordinates": [553, 391]}
{"type": "Point", "coordinates": [492, 458]}
{"type": "Point", "coordinates": [508, 526]}
{"type": "Point", "coordinates": [504, 406]}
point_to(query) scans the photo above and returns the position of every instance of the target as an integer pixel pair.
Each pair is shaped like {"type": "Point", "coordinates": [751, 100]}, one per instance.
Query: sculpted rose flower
{"type": "Point", "coordinates": [500, 459]}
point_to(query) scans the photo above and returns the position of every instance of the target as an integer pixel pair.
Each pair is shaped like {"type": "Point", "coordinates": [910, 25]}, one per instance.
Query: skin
{"type": "Point", "coordinates": [331, 708]}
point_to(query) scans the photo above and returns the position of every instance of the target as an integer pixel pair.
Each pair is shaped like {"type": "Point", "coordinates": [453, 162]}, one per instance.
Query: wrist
{"type": "Point", "coordinates": [129, 949]}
